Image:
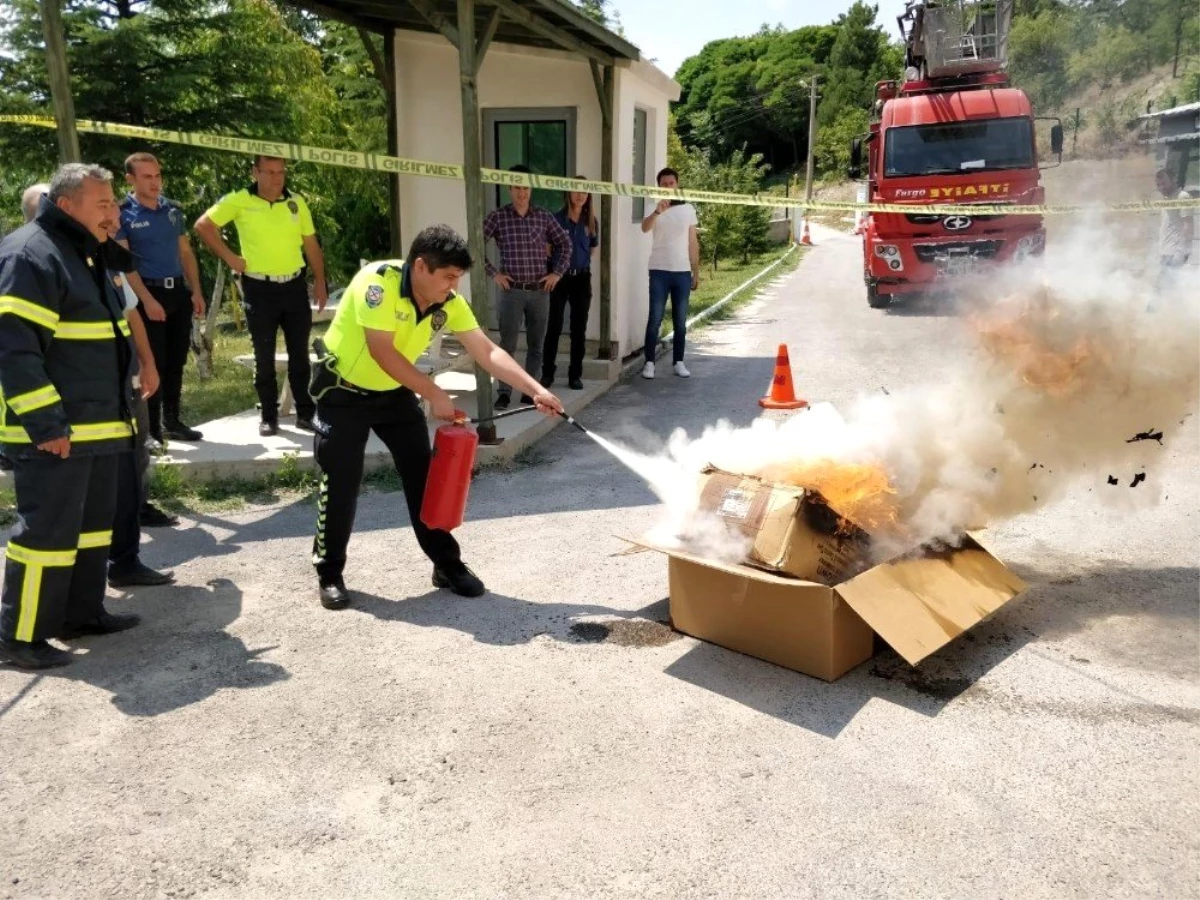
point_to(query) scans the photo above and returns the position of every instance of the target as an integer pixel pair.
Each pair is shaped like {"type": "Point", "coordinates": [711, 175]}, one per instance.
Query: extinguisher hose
{"type": "Point", "coordinates": [501, 415]}
{"type": "Point", "coordinates": [479, 420]}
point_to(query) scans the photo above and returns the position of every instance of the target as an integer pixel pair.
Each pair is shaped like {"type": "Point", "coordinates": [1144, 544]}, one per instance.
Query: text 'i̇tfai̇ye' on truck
{"type": "Point", "coordinates": [953, 132]}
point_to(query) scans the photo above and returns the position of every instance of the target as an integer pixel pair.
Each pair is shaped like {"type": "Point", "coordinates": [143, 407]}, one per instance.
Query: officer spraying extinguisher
{"type": "Point", "coordinates": [365, 380]}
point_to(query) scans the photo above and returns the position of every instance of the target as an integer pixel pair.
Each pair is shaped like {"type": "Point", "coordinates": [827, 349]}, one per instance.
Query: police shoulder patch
{"type": "Point", "coordinates": [374, 295]}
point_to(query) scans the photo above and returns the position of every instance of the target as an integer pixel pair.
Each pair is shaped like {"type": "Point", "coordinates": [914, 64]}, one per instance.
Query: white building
{"type": "Point", "coordinates": [540, 91]}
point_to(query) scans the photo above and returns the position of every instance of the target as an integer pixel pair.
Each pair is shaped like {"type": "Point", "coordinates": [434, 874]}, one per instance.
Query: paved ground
{"type": "Point", "coordinates": [552, 739]}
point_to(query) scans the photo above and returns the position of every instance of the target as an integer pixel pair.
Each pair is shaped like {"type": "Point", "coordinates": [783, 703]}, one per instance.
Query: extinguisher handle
{"type": "Point", "coordinates": [461, 417]}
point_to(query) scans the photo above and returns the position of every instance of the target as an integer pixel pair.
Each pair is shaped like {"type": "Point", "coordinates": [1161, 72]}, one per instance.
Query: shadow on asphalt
{"type": "Point", "coordinates": [497, 619]}
{"type": "Point", "coordinates": [181, 653]}
{"type": "Point", "coordinates": [1162, 603]}
{"type": "Point", "coordinates": [932, 306]}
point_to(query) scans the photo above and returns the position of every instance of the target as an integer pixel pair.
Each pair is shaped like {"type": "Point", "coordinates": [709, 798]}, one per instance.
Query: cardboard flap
{"type": "Point", "coordinates": [919, 605]}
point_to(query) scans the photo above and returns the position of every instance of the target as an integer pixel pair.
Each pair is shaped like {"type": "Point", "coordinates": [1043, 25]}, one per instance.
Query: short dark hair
{"type": "Point", "coordinates": [663, 173]}
{"type": "Point", "coordinates": [521, 167]}
{"type": "Point", "coordinates": [133, 159]}
{"type": "Point", "coordinates": [260, 157]}
{"type": "Point", "coordinates": [441, 246]}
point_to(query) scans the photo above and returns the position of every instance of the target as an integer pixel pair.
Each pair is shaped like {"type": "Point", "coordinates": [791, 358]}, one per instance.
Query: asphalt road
{"type": "Point", "coordinates": [553, 739]}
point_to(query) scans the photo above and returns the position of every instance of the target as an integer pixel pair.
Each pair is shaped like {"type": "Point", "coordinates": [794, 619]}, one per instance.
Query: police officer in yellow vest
{"type": "Point", "coordinates": [387, 318]}
{"type": "Point", "coordinates": [65, 415]}
{"type": "Point", "coordinates": [276, 235]}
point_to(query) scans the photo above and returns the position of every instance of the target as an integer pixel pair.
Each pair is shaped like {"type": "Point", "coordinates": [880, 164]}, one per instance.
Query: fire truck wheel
{"type": "Point", "coordinates": [877, 300]}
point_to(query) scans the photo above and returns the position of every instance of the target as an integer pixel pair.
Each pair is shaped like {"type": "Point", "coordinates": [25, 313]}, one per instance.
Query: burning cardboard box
{"type": "Point", "coordinates": [807, 596]}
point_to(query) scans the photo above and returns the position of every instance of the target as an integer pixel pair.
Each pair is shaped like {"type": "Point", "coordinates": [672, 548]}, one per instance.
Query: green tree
{"type": "Point", "coordinates": [602, 11]}
{"type": "Point", "coordinates": [726, 231]}
{"type": "Point", "coordinates": [1040, 47]}
{"type": "Point", "coordinates": [243, 67]}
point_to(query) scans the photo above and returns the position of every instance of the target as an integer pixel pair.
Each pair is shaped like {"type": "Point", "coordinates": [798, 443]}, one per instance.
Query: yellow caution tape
{"type": "Point", "coordinates": [380, 162]}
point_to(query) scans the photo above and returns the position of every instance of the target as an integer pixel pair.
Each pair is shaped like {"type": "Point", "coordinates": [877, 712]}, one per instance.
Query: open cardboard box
{"type": "Point", "coordinates": [917, 603]}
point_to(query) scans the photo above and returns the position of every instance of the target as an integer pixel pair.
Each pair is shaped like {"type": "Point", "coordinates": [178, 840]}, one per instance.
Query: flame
{"type": "Point", "coordinates": [1023, 339]}
{"type": "Point", "coordinates": [861, 492]}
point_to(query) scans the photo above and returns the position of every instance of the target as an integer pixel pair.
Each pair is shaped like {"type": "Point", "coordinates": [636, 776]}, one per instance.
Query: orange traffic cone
{"type": "Point", "coordinates": [804, 238]}
{"type": "Point", "coordinates": [781, 394]}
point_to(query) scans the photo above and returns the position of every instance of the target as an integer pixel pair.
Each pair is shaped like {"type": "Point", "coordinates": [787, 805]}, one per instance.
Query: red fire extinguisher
{"type": "Point", "coordinates": [449, 480]}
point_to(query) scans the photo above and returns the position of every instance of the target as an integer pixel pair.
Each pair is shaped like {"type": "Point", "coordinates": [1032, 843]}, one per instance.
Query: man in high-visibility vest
{"type": "Point", "coordinates": [276, 236]}
{"type": "Point", "coordinates": [367, 382]}
{"type": "Point", "coordinates": [65, 416]}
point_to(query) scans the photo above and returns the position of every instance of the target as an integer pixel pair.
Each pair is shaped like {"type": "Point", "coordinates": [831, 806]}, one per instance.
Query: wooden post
{"type": "Point", "coordinates": [204, 332]}
{"type": "Point", "coordinates": [812, 140]}
{"type": "Point", "coordinates": [60, 81]}
{"type": "Point", "coordinates": [607, 229]}
{"type": "Point", "coordinates": [472, 164]}
{"type": "Point", "coordinates": [393, 142]}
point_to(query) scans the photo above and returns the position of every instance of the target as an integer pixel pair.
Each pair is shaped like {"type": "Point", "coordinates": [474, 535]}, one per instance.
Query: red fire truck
{"type": "Point", "coordinates": [952, 132]}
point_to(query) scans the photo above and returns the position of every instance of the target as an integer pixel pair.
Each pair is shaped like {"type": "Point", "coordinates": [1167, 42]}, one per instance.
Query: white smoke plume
{"type": "Point", "coordinates": [1070, 361]}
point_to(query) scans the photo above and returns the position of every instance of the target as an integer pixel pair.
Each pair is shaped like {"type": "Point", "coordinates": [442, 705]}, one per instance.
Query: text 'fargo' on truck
{"type": "Point", "coordinates": [953, 132]}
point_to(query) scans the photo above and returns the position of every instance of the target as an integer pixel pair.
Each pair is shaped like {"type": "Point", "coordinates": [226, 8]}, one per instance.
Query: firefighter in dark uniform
{"type": "Point", "coordinates": [65, 367]}
{"type": "Point", "coordinates": [365, 381]}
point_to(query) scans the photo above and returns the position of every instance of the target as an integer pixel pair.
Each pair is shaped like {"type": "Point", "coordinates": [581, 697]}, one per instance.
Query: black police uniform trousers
{"type": "Point", "coordinates": [54, 574]}
{"type": "Point", "coordinates": [124, 554]}
{"type": "Point", "coordinates": [344, 422]}
{"type": "Point", "coordinates": [170, 343]}
{"type": "Point", "coordinates": [270, 306]}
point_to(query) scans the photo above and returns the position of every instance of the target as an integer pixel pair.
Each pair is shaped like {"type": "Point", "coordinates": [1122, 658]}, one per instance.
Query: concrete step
{"type": "Point", "coordinates": [232, 446]}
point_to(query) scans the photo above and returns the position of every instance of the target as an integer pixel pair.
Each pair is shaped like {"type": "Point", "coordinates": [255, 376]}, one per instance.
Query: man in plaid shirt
{"type": "Point", "coordinates": [523, 232]}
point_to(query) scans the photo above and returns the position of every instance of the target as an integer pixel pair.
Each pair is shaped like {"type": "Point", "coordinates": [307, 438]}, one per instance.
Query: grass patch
{"type": "Point", "coordinates": [231, 389]}
{"type": "Point", "coordinates": [289, 482]}
{"type": "Point", "coordinates": [8, 507]}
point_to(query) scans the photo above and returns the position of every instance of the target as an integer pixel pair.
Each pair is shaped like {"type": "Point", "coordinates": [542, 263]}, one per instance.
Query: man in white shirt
{"type": "Point", "coordinates": [674, 270]}
{"type": "Point", "coordinates": [1175, 234]}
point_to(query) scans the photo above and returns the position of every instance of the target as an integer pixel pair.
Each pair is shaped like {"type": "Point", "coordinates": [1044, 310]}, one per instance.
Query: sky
{"type": "Point", "coordinates": [669, 31]}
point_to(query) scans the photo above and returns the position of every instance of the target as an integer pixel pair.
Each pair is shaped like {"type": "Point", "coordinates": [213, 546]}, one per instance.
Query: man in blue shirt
{"type": "Point", "coordinates": [574, 290]}
{"type": "Point", "coordinates": [167, 284]}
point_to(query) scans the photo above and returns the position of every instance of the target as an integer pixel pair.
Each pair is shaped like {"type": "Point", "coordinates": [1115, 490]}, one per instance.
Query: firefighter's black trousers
{"type": "Point", "coordinates": [344, 423]}
{"type": "Point", "coordinates": [55, 570]}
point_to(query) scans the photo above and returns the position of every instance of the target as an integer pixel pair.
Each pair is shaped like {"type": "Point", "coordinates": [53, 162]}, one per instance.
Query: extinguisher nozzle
{"type": "Point", "coordinates": [573, 422]}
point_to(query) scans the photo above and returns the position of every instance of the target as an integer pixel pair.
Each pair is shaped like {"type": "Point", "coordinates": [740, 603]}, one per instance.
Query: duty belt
{"type": "Point", "coordinates": [277, 279]}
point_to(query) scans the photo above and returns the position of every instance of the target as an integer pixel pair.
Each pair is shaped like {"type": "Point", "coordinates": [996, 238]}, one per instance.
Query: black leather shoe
{"type": "Point", "coordinates": [334, 595]}
{"type": "Point", "coordinates": [139, 576]}
{"type": "Point", "coordinates": [150, 516]}
{"type": "Point", "coordinates": [32, 655]}
{"type": "Point", "coordinates": [546, 381]}
{"type": "Point", "coordinates": [266, 429]}
{"type": "Point", "coordinates": [575, 384]}
{"type": "Point", "coordinates": [107, 623]}
{"type": "Point", "coordinates": [306, 425]}
{"type": "Point", "coordinates": [177, 431]}
{"type": "Point", "coordinates": [502, 401]}
{"type": "Point", "coordinates": [525, 398]}
{"type": "Point", "coordinates": [459, 579]}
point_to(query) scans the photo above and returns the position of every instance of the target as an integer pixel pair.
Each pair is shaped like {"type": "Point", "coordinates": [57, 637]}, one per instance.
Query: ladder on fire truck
{"type": "Point", "coordinates": [952, 38]}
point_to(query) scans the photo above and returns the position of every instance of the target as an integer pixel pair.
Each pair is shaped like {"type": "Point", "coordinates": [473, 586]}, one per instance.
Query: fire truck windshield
{"type": "Point", "coordinates": [981, 145]}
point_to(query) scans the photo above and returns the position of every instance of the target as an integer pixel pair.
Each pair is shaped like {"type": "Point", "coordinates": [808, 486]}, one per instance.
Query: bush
{"type": "Point", "coordinates": [726, 231]}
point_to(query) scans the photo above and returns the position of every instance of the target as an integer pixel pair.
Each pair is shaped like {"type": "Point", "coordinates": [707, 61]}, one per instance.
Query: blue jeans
{"type": "Point", "coordinates": [677, 285]}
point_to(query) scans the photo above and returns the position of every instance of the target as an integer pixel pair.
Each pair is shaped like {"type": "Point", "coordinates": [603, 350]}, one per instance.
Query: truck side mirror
{"type": "Point", "coordinates": [855, 169]}
{"type": "Point", "coordinates": [1056, 139]}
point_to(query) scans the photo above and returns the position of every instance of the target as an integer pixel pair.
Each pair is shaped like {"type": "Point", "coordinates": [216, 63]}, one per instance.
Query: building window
{"type": "Point", "coordinates": [639, 160]}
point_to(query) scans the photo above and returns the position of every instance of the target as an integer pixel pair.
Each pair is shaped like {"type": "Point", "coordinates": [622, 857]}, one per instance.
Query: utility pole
{"type": "Point", "coordinates": [812, 137]}
{"type": "Point", "coordinates": [60, 81]}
